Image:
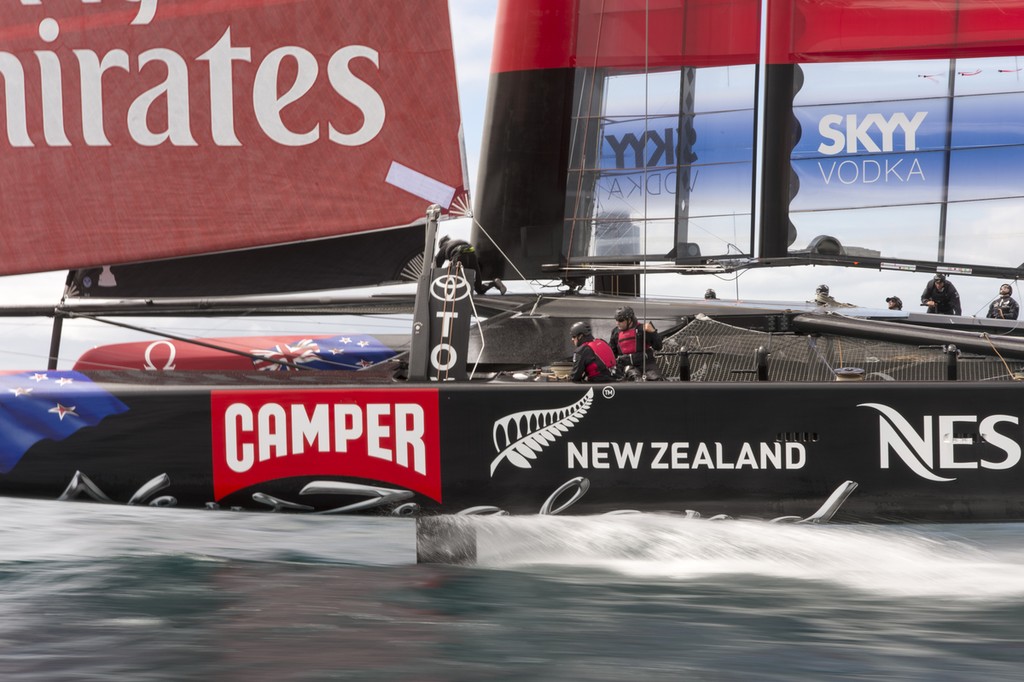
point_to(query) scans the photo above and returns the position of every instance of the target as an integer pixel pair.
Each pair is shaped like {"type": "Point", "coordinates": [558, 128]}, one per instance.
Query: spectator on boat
{"type": "Point", "coordinates": [460, 251]}
{"type": "Point", "coordinates": [894, 303]}
{"type": "Point", "coordinates": [1004, 307]}
{"type": "Point", "coordinates": [634, 346]}
{"type": "Point", "coordinates": [940, 296]}
{"type": "Point", "coordinates": [593, 360]}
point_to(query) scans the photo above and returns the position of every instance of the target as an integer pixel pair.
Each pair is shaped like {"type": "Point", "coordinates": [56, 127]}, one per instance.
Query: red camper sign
{"type": "Point", "coordinates": [387, 436]}
{"type": "Point", "coordinates": [142, 129]}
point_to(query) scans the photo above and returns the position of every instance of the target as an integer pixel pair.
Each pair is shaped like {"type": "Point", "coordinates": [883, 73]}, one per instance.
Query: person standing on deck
{"type": "Point", "coordinates": [460, 251]}
{"type": "Point", "coordinates": [941, 296]}
{"type": "Point", "coordinates": [634, 345]}
{"type": "Point", "coordinates": [1004, 307]}
{"type": "Point", "coordinates": [593, 360]}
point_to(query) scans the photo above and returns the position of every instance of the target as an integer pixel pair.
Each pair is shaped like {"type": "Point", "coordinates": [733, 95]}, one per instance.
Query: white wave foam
{"type": "Point", "coordinates": [892, 560]}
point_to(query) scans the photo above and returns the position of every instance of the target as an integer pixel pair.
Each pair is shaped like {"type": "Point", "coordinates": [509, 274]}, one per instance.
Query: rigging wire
{"type": "Point", "coordinates": [502, 252]}
{"type": "Point", "coordinates": [647, 122]}
{"type": "Point", "coordinates": [589, 98]}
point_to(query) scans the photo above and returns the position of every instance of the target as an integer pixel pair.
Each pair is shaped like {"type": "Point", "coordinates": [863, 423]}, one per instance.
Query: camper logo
{"type": "Point", "coordinates": [388, 436]}
{"type": "Point", "coordinates": [944, 441]}
{"type": "Point", "coordinates": [521, 436]}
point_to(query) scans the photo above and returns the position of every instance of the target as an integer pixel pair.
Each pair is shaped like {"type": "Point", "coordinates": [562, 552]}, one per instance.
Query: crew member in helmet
{"type": "Point", "coordinates": [1004, 307]}
{"type": "Point", "coordinates": [823, 297]}
{"type": "Point", "coordinates": [940, 296]}
{"type": "Point", "coordinates": [894, 303]}
{"type": "Point", "coordinates": [634, 345]}
{"type": "Point", "coordinates": [593, 360]}
{"type": "Point", "coordinates": [460, 251]}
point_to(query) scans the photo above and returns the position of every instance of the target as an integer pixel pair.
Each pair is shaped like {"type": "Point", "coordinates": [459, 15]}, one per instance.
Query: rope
{"type": "Point", "coordinates": [995, 350]}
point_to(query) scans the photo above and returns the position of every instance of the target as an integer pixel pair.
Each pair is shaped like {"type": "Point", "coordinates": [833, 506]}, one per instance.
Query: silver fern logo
{"type": "Point", "coordinates": [519, 437]}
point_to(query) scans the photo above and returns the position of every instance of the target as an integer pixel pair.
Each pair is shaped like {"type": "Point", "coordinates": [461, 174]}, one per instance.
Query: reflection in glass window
{"type": "Point", "coordinates": [625, 94]}
{"type": "Point", "coordinates": [989, 75]}
{"type": "Point", "coordinates": [988, 120]}
{"type": "Point", "coordinates": [860, 82]}
{"type": "Point", "coordinates": [986, 173]}
{"type": "Point", "coordinates": [986, 232]}
{"type": "Point", "coordinates": [662, 162]}
{"type": "Point", "coordinates": [907, 232]}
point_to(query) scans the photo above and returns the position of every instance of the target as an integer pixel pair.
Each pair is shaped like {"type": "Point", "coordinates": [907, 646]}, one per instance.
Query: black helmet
{"type": "Point", "coordinates": [710, 293]}
{"type": "Point", "coordinates": [822, 289]}
{"type": "Point", "coordinates": [579, 329]}
{"type": "Point", "coordinates": [939, 277]}
{"type": "Point", "coordinates": [625, 313]}
{"type": "Point", "coordinates": [1009, 289]}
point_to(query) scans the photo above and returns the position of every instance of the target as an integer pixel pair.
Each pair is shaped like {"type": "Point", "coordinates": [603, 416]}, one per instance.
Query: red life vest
{"type": "Point", "coordinates": [627, 340]}
{"type": "Point", "coordinates": [603, 351]}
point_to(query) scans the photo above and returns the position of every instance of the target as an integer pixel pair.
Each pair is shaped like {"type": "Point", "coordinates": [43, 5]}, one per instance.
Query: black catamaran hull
{"type": "Point", "coordinates": [940, 452]}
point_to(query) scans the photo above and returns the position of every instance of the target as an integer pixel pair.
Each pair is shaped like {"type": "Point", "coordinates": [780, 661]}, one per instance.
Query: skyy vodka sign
{"type": "Point", "coordinates": [869, 134]}
{"type": "Point", "coordinates": [868, 154]}
{"type": "Point", "coordinates": [907, 133]}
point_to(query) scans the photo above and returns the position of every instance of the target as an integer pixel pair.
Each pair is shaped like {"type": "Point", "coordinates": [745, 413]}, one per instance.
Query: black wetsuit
{"type": "Point", "coordinates": [947, 299]}
{"type": "Point", "coordinates": [460, 251]}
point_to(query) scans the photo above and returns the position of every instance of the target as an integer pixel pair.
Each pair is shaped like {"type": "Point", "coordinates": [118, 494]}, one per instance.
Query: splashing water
{"type": "Point", "coordinates": [897, 560]}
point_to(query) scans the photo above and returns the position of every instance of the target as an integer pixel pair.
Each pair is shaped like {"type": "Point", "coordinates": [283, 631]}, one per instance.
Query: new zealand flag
{"type": "Point", "coordinates": [350, 351]}
{"type": "Point", "coordinates": [38, 405]}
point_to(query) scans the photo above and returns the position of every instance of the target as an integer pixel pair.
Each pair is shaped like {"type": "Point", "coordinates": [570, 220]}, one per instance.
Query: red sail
{"type": "Point", "coordinates": [138, 131]}
{"type": "Point", "coordinates": [547, 34]}
{"type": "Point", "coordinates": [872, 30]}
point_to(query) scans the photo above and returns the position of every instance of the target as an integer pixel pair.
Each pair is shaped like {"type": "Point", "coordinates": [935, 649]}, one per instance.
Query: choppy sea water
{"type": "Point", "coordinates": [94, 592]}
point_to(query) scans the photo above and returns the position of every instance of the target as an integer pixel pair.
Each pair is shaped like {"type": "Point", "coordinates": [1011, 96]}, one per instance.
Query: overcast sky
{"type": "Point", "coordinates": [24, 342]}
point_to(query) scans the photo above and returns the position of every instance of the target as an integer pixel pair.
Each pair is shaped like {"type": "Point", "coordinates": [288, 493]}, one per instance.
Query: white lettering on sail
{"type": "Point", "coordinates": [174, 94]}
{"type": "Point", "coordinates": [366, 99]}
{"type": "Point", "coordinates": [222, 88]}
{"type": "Point", "coordinates": [268, 105]}
{"type": "Point", "coordinates": [175, 90]}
